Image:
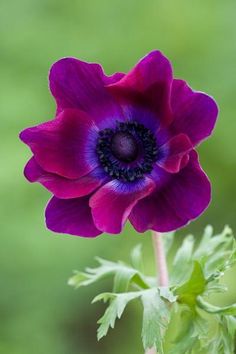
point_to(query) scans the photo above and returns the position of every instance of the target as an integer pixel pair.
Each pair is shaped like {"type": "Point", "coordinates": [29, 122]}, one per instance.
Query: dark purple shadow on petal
{"type": "Point", "coordinates": [71, 216]}
{"type": "Point", "coordinates": [143, 115]}
{"type": "Point", "coordinates": [65, 145]}
{"type": "Point", "coordinates": [112, 203]}
{"type": "Point", "coordinates": [183, 198]}
{"type": "Point", "coordinates": [77, 84]}
{"type": "Point", "coordinates": [172, 153]}
{"type": "Point", "coordinates": [63, 187]}
{"type": "Point", "coordinates": [148, 84]}
{"type": "Point", "coordinates": [194, 113]}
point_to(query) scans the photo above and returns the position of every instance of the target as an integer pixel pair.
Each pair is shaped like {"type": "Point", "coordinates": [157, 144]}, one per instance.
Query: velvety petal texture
{"type": "Point", "coordinates": [63, 187]}
{"type": "Point", "coordinates": [120, 148]}
{"type": "Point", "coordinates": [173, 153]}
{"type": "Point", "coordinates": [194, 113]}
{"type": "Point", "coordinates": [71, 216]}
{"type": "Point", "coordinates": [65, 145]}
{"type": "Point", "coordinates": [112, 204]}
{"type": "Point", "coordinates": [77, 84]}
{"type": "Point", "coordinates": [183, 198]}
{"type": "Point", "coordinates": [148, 84]}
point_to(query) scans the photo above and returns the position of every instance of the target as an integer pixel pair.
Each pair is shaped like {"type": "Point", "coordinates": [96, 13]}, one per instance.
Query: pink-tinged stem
{"type": "Point", "coordinates": [160, 257]}
{"type": "Point", "coordinates": [161, 267]}
{"type": "Point", "coordinates": [151, 351]}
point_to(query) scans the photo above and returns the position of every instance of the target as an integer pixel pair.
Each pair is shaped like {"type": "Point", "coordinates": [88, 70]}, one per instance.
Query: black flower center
{"type": "Point", "coordinates": [124, 146]}
{"type": "Point", "coordinates": [128, 151]}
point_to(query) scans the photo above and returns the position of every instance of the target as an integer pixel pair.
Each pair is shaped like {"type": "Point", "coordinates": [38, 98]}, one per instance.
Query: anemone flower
{"type": "Point", "coordinates": [121, 147]}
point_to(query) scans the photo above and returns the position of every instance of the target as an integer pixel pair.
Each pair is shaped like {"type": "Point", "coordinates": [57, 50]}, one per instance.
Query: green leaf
{"type": "Point", "coordinates": [227, 310]}
{"type": "Point", "coordinates": [156, 316]}
{"type": "Point", "coordinates": [216, 253]}
{"type": "Point", "coordinates": [213, 287]}
{"type": "Point", "coordinates": [123, 274]}
{"type": "Point", "coordinates": [222, 340]}
{"type": "Point", "coordinates": [122, 279]}
{"type": "Point", "coordinates": [182, 262]}
{"type": "Point", "coordinates": [78, 279]}
{"type": "Point", "coordinates": [187, 336]}
{"type": "Point", "coordinates": [167, 294]}
{"type": "Point", "coordinates": [196, 272]}
{"type": "Point", "coordinates": [118, 302]}
{"type": "Point", "coordinates": [194, 286]}
{"type": "Point", "coordinates": [156, 313]}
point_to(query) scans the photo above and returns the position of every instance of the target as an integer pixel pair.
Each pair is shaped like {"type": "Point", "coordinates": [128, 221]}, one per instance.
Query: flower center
{"type": "Point", "coordinates": [128, 151]}
{"type": "Point", "coordinates": [124, 146]}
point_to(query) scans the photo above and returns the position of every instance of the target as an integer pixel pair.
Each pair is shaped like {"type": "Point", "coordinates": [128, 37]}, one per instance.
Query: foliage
{"type": "Point", "coordinates": [195, 274]}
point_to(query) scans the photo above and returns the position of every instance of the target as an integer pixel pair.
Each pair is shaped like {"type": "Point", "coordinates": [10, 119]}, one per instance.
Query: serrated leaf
{"type": "Point", "coordinates": [136, 257]}
{"type": "Point", "coordinates": [156, 316]}
{"type": "Point", "coordinates": [77, 279]}
{"type": "Point", "coordinates": [123, 276]}
{"type": "Point", "coordinates": [182, 261]}
{"type": "Point", "coordinates": [214, 287]}
{"type": "Point", "coordinates": [222, 341]}
{"type": "Point", "coordinates": [206, 306]}
{"type": "Point", "coordinates": [122, 279]}
{"type": "Point", "coordinates": [185, 339]}
{"type": "Point", "coordinates": [195, 274]}
{"type": "Point", "coordinates": [194, 286]}
{"type": "Point", "coordinates": [114, 310]}
{"type": "Point", "coordinates": [167, 294]}
{"type": "Point", "coordinates": [216, 253]}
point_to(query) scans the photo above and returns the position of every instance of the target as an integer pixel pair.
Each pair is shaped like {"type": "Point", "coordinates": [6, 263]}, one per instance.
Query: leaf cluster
{"type": "Point", "coordinates": [195, 274]}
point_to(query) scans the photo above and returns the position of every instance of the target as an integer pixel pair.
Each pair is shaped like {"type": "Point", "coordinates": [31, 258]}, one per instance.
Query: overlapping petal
{"type": "Point", "coordinates": [77, 84]}
{"type": "Point", "coordinates": [65, 145]}
{"type": "Point", "coordinates": [172, 155]}
{"type": "Point", "coordinates": [194, 113]}
{"type": "Point", "coordinates": [71, 216]}
{"type": "Point", "coordinates": [63, 187]}
{"type": "Point", "coordinates": [112, 203]}
{"type": "Point", "coordinates": [183, 198]}
{"type": "Point", "coordinates": [148, 84]}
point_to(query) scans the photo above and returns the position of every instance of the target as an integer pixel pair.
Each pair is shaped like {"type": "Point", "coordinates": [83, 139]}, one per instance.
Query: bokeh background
{"type": "Point", "coordinates": [39, 313]}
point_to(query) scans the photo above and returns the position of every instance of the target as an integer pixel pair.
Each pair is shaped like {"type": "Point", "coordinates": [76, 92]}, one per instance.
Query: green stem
{"type": "Point", "coordinates": [227, 310]}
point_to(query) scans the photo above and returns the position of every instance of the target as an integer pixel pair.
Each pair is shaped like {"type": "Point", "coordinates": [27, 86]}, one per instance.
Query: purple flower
{"type": "Point", "coordinates": [121, 148]}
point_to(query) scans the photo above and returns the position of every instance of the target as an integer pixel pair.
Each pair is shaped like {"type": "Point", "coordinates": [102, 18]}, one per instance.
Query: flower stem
{"type": "Point", "coordinates": [160, 257]}
{"type": "Point", "coordinates": [151, 351]}
{"type": "Point", "coordinates": [161, 267]}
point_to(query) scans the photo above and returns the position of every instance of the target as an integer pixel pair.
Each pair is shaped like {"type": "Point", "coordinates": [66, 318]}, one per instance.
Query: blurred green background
{"type": "Point", "coordinates": [39, 312]}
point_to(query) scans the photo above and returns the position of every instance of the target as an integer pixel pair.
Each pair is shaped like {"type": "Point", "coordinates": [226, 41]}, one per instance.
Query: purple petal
{"type": "Point", "coordinates": [183, 198]}
{"type": "Point", "coordinates": [63, 187]}
{"type": "Point", "coordinates": [194, 113]}
{"type": "Point", "coordinates": [71, 216]}
{"type": "Point", "coordinates": [148, 84]}
{"type": "Point", "coordinates": [65, 145]}
{"type": "Point", "coordinates": [112, 203]}
{"type": "Point", "coordinates": [77, 84]}
{"type": "Point", "coordinates": [173, 153]}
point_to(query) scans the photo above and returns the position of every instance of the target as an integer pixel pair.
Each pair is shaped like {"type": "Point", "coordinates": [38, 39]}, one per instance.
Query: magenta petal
{"type": "Point", "coordinates": [185, 196]}
{"type": "Point", "coordinates": [194, 113]}
{"type": "Point", "coordinates": [65, 145]}
{"type": "Point", "coordinates": [148, 84]}
{"type": "Point", "coordinates": [71, 216]}
{"type": "Point", "coordinates": [77, 84]}
{"type": "Point", "coordinates": [63, 187]}
{"type": "Point", "coordinates": [173, 153]}
{"type": "Point", "coordinates": [112, 203]}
